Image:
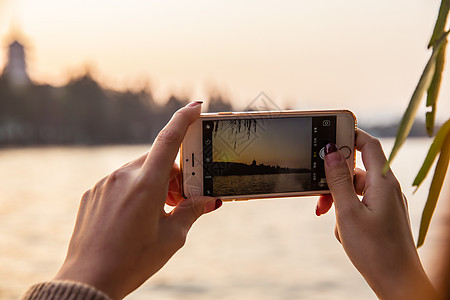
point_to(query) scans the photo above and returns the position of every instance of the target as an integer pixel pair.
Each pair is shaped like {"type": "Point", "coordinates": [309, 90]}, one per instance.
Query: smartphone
{"type": "Point", "coordinates": [250, 155]}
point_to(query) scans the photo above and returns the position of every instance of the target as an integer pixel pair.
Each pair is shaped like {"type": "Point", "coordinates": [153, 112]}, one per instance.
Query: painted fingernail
{"type": "Point", "coordinates": [218, 204]}
{"type": "Point", "coordinates": [212, 205]}
{"type": "Point", "coordinates": [194, 103]}
{"type": "Point", "coordinates": [332, 155]}
{"type": "Point", "coordinates": [317, 211]}
{"type": "Point", "coordinates": [330, 148]}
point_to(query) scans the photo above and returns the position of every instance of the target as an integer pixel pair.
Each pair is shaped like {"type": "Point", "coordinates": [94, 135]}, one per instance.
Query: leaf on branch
{"type": "Point", "coordinates": [430, 117]}
{"type": "Point", "coordinates": [433, 90]}
{"type": "Point", "coordinates": [435, 148]}
{"type": "Point", "coordinates": [410, 113]}
{"type": "Point", "coordinates": [435, 190]}
{"type": "Point", "coordinates": [439, 28]}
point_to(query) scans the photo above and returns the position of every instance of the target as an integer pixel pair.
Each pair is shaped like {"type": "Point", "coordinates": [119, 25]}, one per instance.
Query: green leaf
{"type": "Point", "coordinates": [432, 153]}
{"type": "Point", "coordinates": [435, 190]}
{"type": "Point", "coordinates": [439, 27]}
{"type": "Point", "coordinates": [410, 113]}
{"type": "Point", "coordinates": [440, 62]}
{"type": "Point", "coordinates": [430, 117]}
{"type": "Point", "coordinates": [433, 90]}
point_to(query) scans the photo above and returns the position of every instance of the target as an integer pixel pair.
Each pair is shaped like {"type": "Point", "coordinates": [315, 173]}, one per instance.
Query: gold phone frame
{"type": "Point", "coordinates": [195, 186]}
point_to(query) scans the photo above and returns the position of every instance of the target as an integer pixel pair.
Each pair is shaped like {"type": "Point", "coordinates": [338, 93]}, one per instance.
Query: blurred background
{"type": "Point", "coordinates": [94, 81]}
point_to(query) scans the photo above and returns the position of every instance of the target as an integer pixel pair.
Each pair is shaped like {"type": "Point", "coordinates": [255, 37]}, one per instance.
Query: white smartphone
{"type": "Point", "coordinates": [248, 155]}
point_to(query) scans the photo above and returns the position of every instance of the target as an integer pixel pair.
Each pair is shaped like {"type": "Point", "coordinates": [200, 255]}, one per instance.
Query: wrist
{"type": "Point", "coordinates": [405, 280]}
{"type": "Point", "coordinates": [87, 276]}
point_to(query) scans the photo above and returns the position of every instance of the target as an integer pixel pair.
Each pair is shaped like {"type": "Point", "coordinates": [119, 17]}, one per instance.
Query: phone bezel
{"type": "Point", "coordinates": [192, 176]}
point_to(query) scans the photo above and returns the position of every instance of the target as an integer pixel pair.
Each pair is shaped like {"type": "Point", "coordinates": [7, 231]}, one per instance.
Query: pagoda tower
{"type": "Point", "coordinates": [16, 68]}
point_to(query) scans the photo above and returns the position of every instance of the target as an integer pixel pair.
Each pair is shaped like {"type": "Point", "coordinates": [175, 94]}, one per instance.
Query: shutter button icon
{"type": "Point", "coordinates": [345, 150]}
{"type": "Point", "coordinates": [322, 153]}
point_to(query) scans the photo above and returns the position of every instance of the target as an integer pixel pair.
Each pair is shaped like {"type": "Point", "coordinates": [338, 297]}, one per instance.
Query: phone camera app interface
{"type": "Point", "coordinates": [257, 156]}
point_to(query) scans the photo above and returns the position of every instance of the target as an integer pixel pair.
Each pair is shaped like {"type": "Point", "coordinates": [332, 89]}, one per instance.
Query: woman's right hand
{"type": "Point", "coordinates": [123, 235]}
{"type": "Point", "coordinates": [375, 231]}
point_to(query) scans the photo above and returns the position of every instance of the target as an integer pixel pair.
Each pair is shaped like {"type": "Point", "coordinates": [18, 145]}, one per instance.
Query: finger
{"type": "Point", "coordinates": [324, 204]}
{"type": "Point", "coordinates": [137, 163]}
{"type": "Point", "coordinates": [336, 234]}
{"type": "Point", "coordinates": [189, 210]}
{"type": "Point", "coordinates": [360, 181]}
{"type": "Point", "coordinates": [339, 179]}
{"type": "Point", "coordinates": [371, 151]}
{"type": "Point", "coordinates": [171, 201]}
{"type": "Point", "coordinates": [159, 162]}
{"type": "Point", "coordinates": [174, 196]}
{"type": "Point", "coordinates": [405, 201]}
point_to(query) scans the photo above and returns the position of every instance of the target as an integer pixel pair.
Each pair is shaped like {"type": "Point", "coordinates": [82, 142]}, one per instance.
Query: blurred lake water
{"type": "Point", "coordinates": [263, 249]}
{"type": "Point", "coordinates": [261, 184]}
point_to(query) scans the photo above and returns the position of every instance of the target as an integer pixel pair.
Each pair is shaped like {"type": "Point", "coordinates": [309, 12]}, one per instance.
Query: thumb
{"type": "Point", "coordinates": [339, 178]}
{"type": "Point", "coordinates": [189, 210]}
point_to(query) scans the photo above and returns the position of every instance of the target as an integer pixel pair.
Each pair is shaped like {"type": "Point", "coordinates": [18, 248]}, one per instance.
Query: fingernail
{"type": "Point", "coordinates": [194, 103]}
{"type": "Point", "coordinates": [317, 211]}
{"type": "Point", "coordinates": [218, 204]}
{"type": "Point", "coordinates": [332, 155]}
{"type": "Point", "coordinates": [330, 148]}
{"type": "Point", "coordinates": [212, 205]}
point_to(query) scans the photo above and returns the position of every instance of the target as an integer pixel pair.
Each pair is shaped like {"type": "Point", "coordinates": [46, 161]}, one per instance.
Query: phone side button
{"type": "Point", "coordinates": [225, 113]}
{"type": "Point", "coordinates": [346, 151]}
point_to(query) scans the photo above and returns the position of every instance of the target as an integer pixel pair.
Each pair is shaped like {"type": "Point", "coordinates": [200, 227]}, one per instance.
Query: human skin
{"type": "Point", "coordinates": [375, 231]}
{"type": "Point", "coordinates": [122, 234]}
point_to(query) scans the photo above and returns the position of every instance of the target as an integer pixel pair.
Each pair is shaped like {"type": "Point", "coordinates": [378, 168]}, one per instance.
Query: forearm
{"type": "Point", "coordinates": [404, 281]}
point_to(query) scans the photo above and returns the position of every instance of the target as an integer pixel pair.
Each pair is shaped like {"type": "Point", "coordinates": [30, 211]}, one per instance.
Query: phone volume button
{"type": "Point", "coordinates": [225, 113]}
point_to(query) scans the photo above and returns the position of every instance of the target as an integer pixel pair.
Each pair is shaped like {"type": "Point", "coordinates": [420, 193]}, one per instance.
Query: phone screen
{"type": "Point", "coordinates": [265, 155]}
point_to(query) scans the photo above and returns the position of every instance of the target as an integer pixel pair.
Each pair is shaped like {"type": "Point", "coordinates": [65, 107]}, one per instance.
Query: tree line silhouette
{"type": "Point", "coordinates": [83, 112]}
{"type": "Point", "coordinates": [235, 168]}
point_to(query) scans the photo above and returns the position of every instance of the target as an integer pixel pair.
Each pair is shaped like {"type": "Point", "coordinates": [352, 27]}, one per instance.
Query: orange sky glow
{"type": "Point", "coordinates": [365, 56]}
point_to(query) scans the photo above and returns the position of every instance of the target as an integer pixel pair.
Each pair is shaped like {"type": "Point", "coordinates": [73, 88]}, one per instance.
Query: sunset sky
{"type": "Point", "coordinates": [365, 56]}
{"type": "Point", "coordinates": [292, 147]}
